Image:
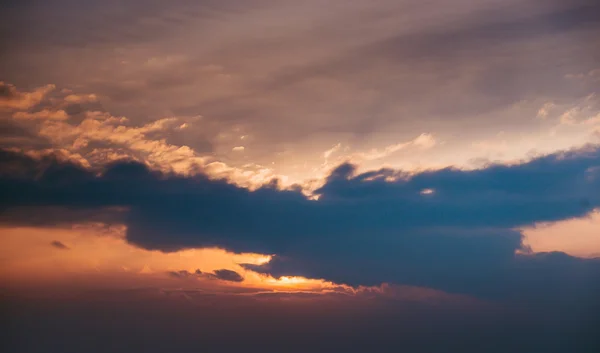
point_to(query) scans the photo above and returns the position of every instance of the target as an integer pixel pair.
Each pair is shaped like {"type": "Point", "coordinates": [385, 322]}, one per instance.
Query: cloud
{"type": "Point", "coordinates": [403, 70]}
{"type": "Point", "coordinates": [228, 275]}
{"type": "Point", "coordinates": [81, 98]}
{"type": "Point", "coordinates": [423, 141]}
{"type": "Point", "coordinates": [42, 115]}
{"type": "Point", "coordinates": [97, 138]}
{"type": "Point", "coordinates": [12, 99]}
{"type": "Point", "coordinates": [114, 131]}
{"type": "Point", "coordinates": [102, 138]}
{"type": "Point", "coordinates": [57, 244]}
{"type": "Point", "coordinates": [545, 109]}
{"type": "Point", "coordinates": [454, 239]}
{"type": "Point", "coordinates": [180, 274]}
{"type": "Point", "coordinates": [222, 274]}
{"type": "Point", "coordinates": [332, 150]}
{"type": "Point", "coordinates": [371, 76]}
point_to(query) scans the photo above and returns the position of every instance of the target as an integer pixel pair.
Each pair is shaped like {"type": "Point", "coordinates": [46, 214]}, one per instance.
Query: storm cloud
{"type": "Point", "coordinates": [366, 228]}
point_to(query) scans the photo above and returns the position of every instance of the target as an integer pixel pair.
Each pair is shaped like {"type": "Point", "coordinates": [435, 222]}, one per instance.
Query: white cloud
{"type": "Point", "coordinates": [332, 150]}
{"type": "Point", "coordinates": [423, 141]}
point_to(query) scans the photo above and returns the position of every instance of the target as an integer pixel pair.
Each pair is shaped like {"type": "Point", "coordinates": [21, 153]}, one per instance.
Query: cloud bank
{"type": "Point", "coordinates": [367, 228]}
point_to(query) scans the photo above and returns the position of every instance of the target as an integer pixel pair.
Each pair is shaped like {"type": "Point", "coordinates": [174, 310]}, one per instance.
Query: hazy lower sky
{"type": "Point", "coordinates": [388, 163]}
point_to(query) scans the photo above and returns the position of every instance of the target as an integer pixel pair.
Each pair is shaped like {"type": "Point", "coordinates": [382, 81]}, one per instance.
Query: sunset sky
{"type": "Point", "coordinates": [295, 176]}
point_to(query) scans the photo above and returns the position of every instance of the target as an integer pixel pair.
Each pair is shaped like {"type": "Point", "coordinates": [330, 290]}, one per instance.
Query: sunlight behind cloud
{"type": "Point", "coordinates": [31, 255]}
{"type": "Point", "coordinates": [577, 237]}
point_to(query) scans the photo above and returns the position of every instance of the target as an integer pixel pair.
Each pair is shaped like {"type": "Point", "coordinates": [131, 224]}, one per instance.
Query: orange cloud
{"type": "Point", "coordinates": [12, 99]}
{"type": "Point", "coordinates": [81, 98]}
{"type": "Point", "coordinates": [102, 138]}
{"type": "Point", "coordinates": [38, 255]}
{"type": "Point", "coordinates": [45, 114]}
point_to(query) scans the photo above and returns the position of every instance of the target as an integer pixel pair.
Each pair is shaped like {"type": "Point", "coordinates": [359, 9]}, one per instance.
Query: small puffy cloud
{"type": "Point", "coordinates": [238, 149]}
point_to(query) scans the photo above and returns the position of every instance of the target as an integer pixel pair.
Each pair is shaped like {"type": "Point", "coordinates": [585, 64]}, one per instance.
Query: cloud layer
{"type": "Point", "coordinates": [416, 143]}
{"type": "Point", "coordinates": [364, 228]}
{"type": "Point", "coordinates": [295, 79]}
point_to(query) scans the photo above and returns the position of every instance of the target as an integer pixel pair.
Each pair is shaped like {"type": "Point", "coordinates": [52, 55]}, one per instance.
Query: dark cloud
{"type": "Point", "coordinates": [180, 274]}
{"type": "Point", "coordinates": [223, 275]}
{"type": "Point", "coordinates": [228, 275]}
{"type": "Point", "coordinates": [362, 230]}
{"type": "Point", "coordinates": [57, 244]}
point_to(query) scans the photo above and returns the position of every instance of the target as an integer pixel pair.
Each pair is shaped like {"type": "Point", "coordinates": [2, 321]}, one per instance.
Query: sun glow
{"type": "Point", "coordinates": [300, 283]}
{"type": "Point", "coordinates": [287, 280]}
{"type": "Point", "coordinates": [38, 254]}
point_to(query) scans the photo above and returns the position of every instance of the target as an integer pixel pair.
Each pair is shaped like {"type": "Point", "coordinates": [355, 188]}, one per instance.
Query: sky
{"type": "Point", "coordinates": [291, 176]}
